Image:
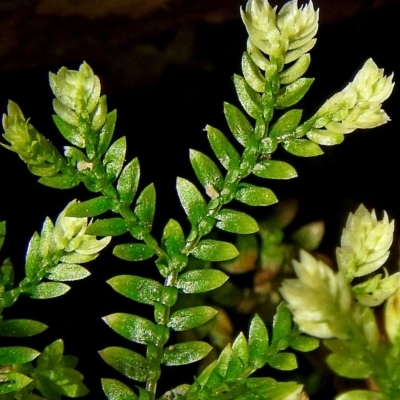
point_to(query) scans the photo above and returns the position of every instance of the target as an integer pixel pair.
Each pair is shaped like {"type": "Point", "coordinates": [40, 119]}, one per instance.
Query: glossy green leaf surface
{"type": "Point", "coordinates": [132, 327]}
{"type": "Point", "coordinates": [282, 326]}
{"type": "Point", "coordinates": [199, 281]}
{"type": "Point", "coordinates": [296, 71]}
{"type": "Point", "coordinates": [252, 74]}
{"type": "Point", "coordinates": [107, 132]}
{"type": "Point", "coordinates": [142, 290]}
{"type": "Point", "coordinates": [17, 355]}
{"type": "Point", "coordinates": [185, 353]}
{"type": "Point", "coordinates": [133, 251]}
{"type": "Point", "coordinates": [70, 132]}
{"type": "Point", "coordinates": [214, 250]}
{"type": "Point", "coordinates": [236, 222]}
{"type": "Point", "coordinates": [302, 148]}
{"type": "Point", "coordinates": [205, 169]}
{"type": "Point", "coordinates": [21, 327]}
{"type": "Point", "coordinates": [285, 125]}
{"type": "Point", "coordinates": [13, 381]}
{"type": "Point", "coordinates": [51, 356]}
{"type": "Point", "coordinates": [274, 169]}
{"type": "Point", "coordinates": [146, 206]}
{"type": "Point", "coordinates": [293, 93]}
{"type": "Point", "coordinates": [128, 362]}
{"type": "Point", "coordinates": [68, 272]}
{"type": "Point", "coordinates": [238, 124]}
{"type": "Point", "coordinates": [248, 97]}
{"type": "Point", "coordinates": [173, 237]}
{"type": "Point", "coordinates": [191, 199]}
{"type": "Point", "coordinates": [128, 181]}
{"type": "Point", "coordinates": [116, 390]}
{"type": "Point", "coordinates": [258, 342]}
{"type": "Point", "coordinates": [47, 290]}
{"type": "Point", "coordinates": [222, 148]}
{"type": "Point", "coordinates": [107, 227]}
{"type": "Point", "coordinates": [189, 318]}
{"type": "Point", "coordinates": [255, 196]}
{"type": "Point", "coordinates": [33, 256]}
{"type": "Point", "coordinates": [283, 361]}
{"type": "Point", "coordinates": [114, 158]}
{"type": "Point", "coordinates": [59, 181]}
{"type": "Point", "coordinates": [304, 343]}
{"type": "Point", "coordinates": [89, 208]}
{"type": "Point", "coordinates": [349, 366]}
{"type": "Point", "coordinates": [2, 233]}
{"type": "Point", "coordinates": [325, 137]}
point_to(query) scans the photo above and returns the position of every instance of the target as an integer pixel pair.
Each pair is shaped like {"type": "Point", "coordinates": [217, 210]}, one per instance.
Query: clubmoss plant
{"type": "Point", "coordinates": [273, 67]}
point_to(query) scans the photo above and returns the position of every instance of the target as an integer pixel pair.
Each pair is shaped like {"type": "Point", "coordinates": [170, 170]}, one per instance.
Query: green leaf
{"type": "Point", "coordinates": [2, 233]}
{"type": "Point", "coordinates": [201, 280]}
{"type": "Point", "coordinates": [296, 71]}
{"type": "Point", "coordinates": [282, 327]}
{"type": "Point", "coordinates": [67, 272]}
{"type": "Point", "coordinates": [191, 199]}
{"type": "Point", "coordinates": [248, 97]}
{"type": "Point", "coordinates": [142, 290]}
{"type": "Point", "coordinates": [185, 353]}
{"type": "Point", "coordinates": [107, 132]}
{"type": "Point", "coordinates": [252, 74]}
{"type": "Point", "coordinates": [116, 390]}
{"type": "Point", "coordinates": [89, 208]}
{"type": "Point", "coordinates": [224, 151]}
{"type": "Point", "coordinates": [107, 227]}
{"type": "Point", "coordinates": [348, 366]}
{"type": "Point", "coordinates": [274, 169]}
{"type": "Point", "coordinates": [33, 259]}
{"type": "Point", "coordinates": [114, 158]}
{"type": "Point", "coordinates": [43, 170]}
{"type": "Point", "coordinates": [146, 206]}
{"type": "Point", "coordinates": [60, 181]}
{"type": "Point", "coordinates": [236, 222]}
{"type": "Point", "coordinates": [21, 327]}
{"type": "Point", "coordinates": [13, 381]}
{"type": "Point", "coordinates": [258, 343]}
{"type": "Point", "coordinates": [132, 327]}
{"type": "Point", "coordinates": [255, 196]}
{"type": "Point", "coordinates": [293, 93]}
{"type": "Point", "coordinates": [205, 169]}
{"type": "Point", "coordinates": [283, 361]}
{"type": "Point", "coordinates": [189, 318]}
{"type": "Point", "coordinates": [214, 250]}
{"type": "Point", "coordinates": [239, 359]}
{"type": "Point", "coordinates": [325, 137]}
{"type": "Point", "coordinates": [302, 148]}
{"type": "Point", "coordinates": [285, 125]}
{"type": "Point", "coordinates": [17, 355]}
{"type": "Point", "coordinates": [238, 124]}
{"type": "Point", "coordinates": [362, 395]}
{"type": "Point", "coordinates": [70, 132]}
{"type": "Point", "coordinates": [46, 290]}
{"type": "Point", "coordinates": [133, 251]}
{"type": "Point", "coordinates": [128, 363]}
{"type": "Point", "coordinates": [173, 237]}
{"type": "Point", "coordinates": [128, 181]}
{"type": "Point", "coordinates": [304, 343]}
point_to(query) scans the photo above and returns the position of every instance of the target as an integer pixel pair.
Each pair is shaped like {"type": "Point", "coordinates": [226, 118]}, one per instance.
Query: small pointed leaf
{"type": "Point", "coordinates": [114, 158]}
{"type": "Point", "coordinates": [302, 148]}
{"type": "Point", "coordinates": [248, 97]}
{"type": "Point", "coordinates": [128, 181]}
{"type": "Point", "coordinates": [133, 251]}
{"type": "Point", "coordinates": [283, 361]}
{"type": "Point", "coordinates": [255, 196]}
{"type": "Point", "coordinates": [189, 318]}
{"type": "Point", "coordinates": [296, 71]}
{"type": "Point", "coordinates": [238, 124]}
{"type": "Point", "coordinates": [107, 227]}
{"type": "Point", "coordinates": [89, 208]}
{"type": "Point", "coordinates": [214, 250]}
{"type": "Point", "coordinates": [293, 93]}
{"type": "Point", "coordinates": [349, 366]}
{"type": "Point", "coordinates": [116, 390]}
{"type": "Point", "coordinates": [252, 74]}
{"type": "Point", "coordinates": [205, 169]}
{"type": "Point", "coordinates": [282, 326]}
{"type": "Point", "coordinates": [325, 137]}
{"type": "Point", "coordinates": [258, 342]}
{"type": "Point", "coordinates": [236, 222]}
{"type": "Point", "coordinates": [146, 206]}
{"type": "Point", "coordinates": [17, 355]}
{"type": "Point", "coordinates": [67, 272]}
{"type": "Point", "coordinates": [274, 169]}
{"type": "Point", "coordinates": [47, 290]}
{"type": "Point", "coordinates": [2, 233]}
{"type": "Point", "coordinates": [191, 199]}
{"type": "Point", "coordinates": [13, 382]}
{"type": "Point", "coordinates": [60, 181]}
{"type": "Point", "coordinates": [33, 258]}
{"type": "Point", "coordinates": [304, 343]}
{"type": "Point", "coordinates": [107, 132]}
{"type": "Point", "coordinates": [70, 132]}
{"type": "Point", "coordinates": [361, 395]}
{"type": "Point", "coordinates": [185, 353]}
{"type": "Point", "coordinates": [284, 127]}
{"type": "Point", "coordinates": [201, 280]}
{"type": "Point", "coordinates": [173, 237]}
{"type": "Point", "coordinates": [21, 327]}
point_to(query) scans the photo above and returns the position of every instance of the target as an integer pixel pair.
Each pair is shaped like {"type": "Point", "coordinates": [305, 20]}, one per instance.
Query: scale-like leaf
{"type": "Point", "coordinates": [107, 227]}
{"type": "Point", "coordinates": [236, 222]}
{"type": "Point", "coordinates": [185, 353]}
{"type": "Point", "coordinates": [133, 251]}
{"type": "Point", "coordinates": [223, 149]}
{"type": "Point", "coordinates": [146, 206]}
{"type": "Point", "coordinates": [258, 342]}
{"type": "Point", "coordinates": [293, 93]}
{"type": "Point", "coordinates": [274, 169]}
{"type": "Point", "coordinates": [283, 361]}
{"type": "Point", "coordinates": [191, 199]}
{"type": "Point", "coordinates": [114, 158]}
{"type": "Point", "coordinates": [47, 290]}
{"type": "Point", "coordinates": [70, 132]}
{"type": "Point", "coordinates": [255, 196]}
{"type": "Point", "coordinates": [325, 137]}
{"type": "Point", "coordinates": [128, 181]}
{"type": "Point", "coordinates": [13, 381]}
{"type": "Point", "coordinates": [173, 237]}
{"type": "Point", "coordinates": [132, 327]}
{"type": "Point", "coordinates": [252, 74]}
{"type": "Point", "coordinates": [60, 181]}
{"type": "Point", "coordinates": [201, 280]}
{"type": "Point", "coordinates": [302, 148]}
{"type": "Point", "coordinates": [142, 290]}
{"type": "Point", "coordinates": [17, 355]}
{"type": "Point", "coordinates": [348, 366]}
{"type": "Point", "coordinates": [248, 97]}
{"type": "Point", "coordinates": [128, 362]}
{"type": "Point", "coordinates": [304, 343]}
{"type": "Point", "coordinates": [239, 359]}
{"type": "Point", "coordinates": [116, 390]}
{"type": "Point", "coordinates": [205, 169]}
{"type": "Point", "coordinates": [33, 259]}
{"type": "Point", "coordinates": [21, 327]}
{"type": "Point", "coordinates": [285, 125]}
{"type": "Point", "coordinates": [238, 124]}
{"type": "Point", "coordinates": [214, 250]}
{"type": "Point", "coordinates": [282, 327]}
{"type": "Point", "coordinates": [89, 208]}
{"type": "Point", "coordinates": [68, 272]}
{"type": "Point", "coordinates": [296, 71]}
{"type": "Point", "coordinates": [2, 233]}
{"type": "Point", "coordinates": [107, 132]}
{"type": "Point", "coordinates": [189, 318]}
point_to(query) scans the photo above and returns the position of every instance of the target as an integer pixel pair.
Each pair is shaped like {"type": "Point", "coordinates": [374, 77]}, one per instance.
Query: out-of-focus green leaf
{"type": "Point", "coordinates": [146, 206]}
{"type": "Point", "coordinates": [189, 318]}
{"type": "Point", "coordinates": [214, 250]}
{"type": "Point", "coordinates": [283, 361]}
{"type": "Point", "coordinates": [12, 382]}
{"type": "Point", "coordinates": [17, 355]}
{"type": "Point", "coordinates": [114, 158]}
{"type": "Point", "coordinates": [200, 280]}
{"type": "Point", "coordinates": [46, 290]}
{"type": "Point", "coordinates": [128, 362]}
{"type": "Point", "coordinates": [302, 148]}
{"type": "Point", "coordinates": [236, 222]}
{"type": "Point", "coordinates": [142, 290]}
{"type": "Point", "coordinates": [132, 327]}
{"type": "Point", "coordinates": [21, 327]}
{"type": "Point", "coordinates": [238, 124]}
{"type": "Point", "coordinates": [258, 342]}
{"type": "Point", "coordinates": [223, 149]}
{"type": "Point", "coordinates": [107, 132]}
{"type": "Point", "coordinates": [133, 251]}
{"type": "Point", "coordinates": [116, 390]}
{"type": "Point", "coordinates": [362, 395]}
{"type": "Point", "coordinates": [255, 196]}
{"type": "Point", "coordinates": [304, 343]}
{"type": "Point", "coordinates": [128, 181]}
{"type": "Point", "coordinates": [205, 169]}
{"type": "Point", "coordinates": [191, 199]}
{"type": "Point", "coordinates": [60, 181]}
{"type": "Point", "coordinates": [185, 353]}
{"type": "Point", "coordinates": [2, 233]}
{"type": "Point", "coordinates": [349, 366]}
{"type": "Point", "coordinates": [107, 227]}
{"type": "Point", "coordinates": [248, 97]}
{"type": "Point", "coordinates": [296, 71]}
{"type": "Point", "coordinates": [309, 236]}
{"type": "Point", "coordinates": [293, 93]}
{"type": "Point", "coordinates": [89, 208]}
{"type": "Point", "coordinates": [67, 272]}
{"type": "Point", "coordinates": [285, 125]}
{"type": "Point", "coordinates": [274, 169]}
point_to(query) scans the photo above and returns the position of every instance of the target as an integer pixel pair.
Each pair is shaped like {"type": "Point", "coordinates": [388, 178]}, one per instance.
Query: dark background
{"type": "Point", "coordinates": [167, 66]}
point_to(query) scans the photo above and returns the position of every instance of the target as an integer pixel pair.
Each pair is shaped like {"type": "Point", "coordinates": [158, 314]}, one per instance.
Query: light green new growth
{"type": "Point", "coordinates": [324, 303]}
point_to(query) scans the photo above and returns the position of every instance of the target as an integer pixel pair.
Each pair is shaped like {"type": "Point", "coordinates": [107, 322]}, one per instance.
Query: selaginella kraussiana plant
{"type": "Point", "coordinates": [277, 57]}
